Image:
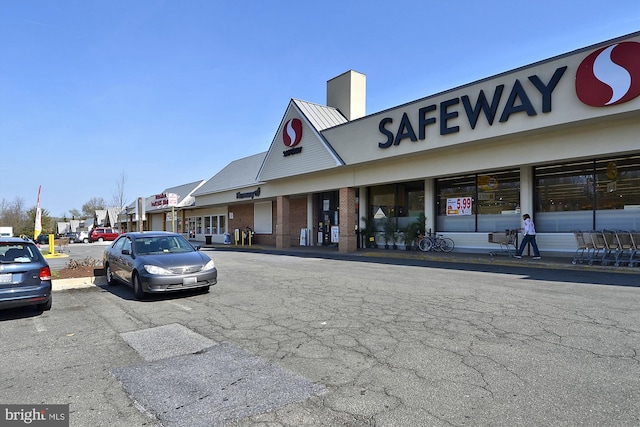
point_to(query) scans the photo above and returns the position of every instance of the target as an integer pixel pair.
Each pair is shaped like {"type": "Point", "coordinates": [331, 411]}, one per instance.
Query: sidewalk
{"type": "Point", "coordinates": [547, 262]}
{"type": "Point", "coordinates": [414, 257]}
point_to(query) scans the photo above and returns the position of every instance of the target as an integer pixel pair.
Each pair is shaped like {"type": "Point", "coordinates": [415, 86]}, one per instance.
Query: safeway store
{"type": "Point", "coordinates": [558, 139]}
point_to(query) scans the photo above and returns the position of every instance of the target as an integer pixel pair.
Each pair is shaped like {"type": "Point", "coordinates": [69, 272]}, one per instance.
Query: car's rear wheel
{"type": "Point", "coordinates": [100, 239]}
{"type": "Point", "coordinates": [137, 287]}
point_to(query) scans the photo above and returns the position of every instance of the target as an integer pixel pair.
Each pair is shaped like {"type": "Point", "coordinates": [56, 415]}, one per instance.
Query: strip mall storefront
{"type": "Point", "coordinates": [559, 139]}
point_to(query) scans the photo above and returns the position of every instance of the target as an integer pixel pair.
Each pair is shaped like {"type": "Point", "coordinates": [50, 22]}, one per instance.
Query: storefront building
{"type": "Point", "coordinates": [558, 139]}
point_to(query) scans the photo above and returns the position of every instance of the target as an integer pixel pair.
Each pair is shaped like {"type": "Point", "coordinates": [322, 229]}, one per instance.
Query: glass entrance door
{"type": "Point", "coordinates": [328, 217]}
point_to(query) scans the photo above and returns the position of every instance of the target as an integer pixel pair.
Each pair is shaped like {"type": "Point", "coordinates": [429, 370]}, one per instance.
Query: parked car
{"type": "Point", "coordinates": [77, 237]}
{"type": "Point", "coordinates": [100, 234]}
{"type": "Point", "coordinates": [72, 236]}
{"type": "Point", "coordinates": [83, 236]}
{"type": "Point", "coordinates": [42, 239]}
{"type": "Point", "coordinates": [158, 261]}
{"type": "Point", "coordinates": [25, 276]}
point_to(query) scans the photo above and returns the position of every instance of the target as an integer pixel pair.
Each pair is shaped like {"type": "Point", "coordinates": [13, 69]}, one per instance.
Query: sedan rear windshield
{"type": "Point", "coordinates": [162, 244]}
{"type": "Point", "coordinates": [17, 252]}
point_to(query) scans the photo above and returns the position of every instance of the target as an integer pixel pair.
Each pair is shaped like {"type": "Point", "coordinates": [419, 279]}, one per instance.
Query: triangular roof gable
{"type": "Point", "coordinates": [312, 153]}
{"type": "Point", "coordinates": [240, 173]}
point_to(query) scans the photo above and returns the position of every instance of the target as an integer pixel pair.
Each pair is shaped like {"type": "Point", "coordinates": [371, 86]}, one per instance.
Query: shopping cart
{"type": "Point", "coordinates": [634, 257]}
{"type": "Point", "coordinates": [605, 245]}
{"type": "Point", "coordinates": [599, 251]}
{"type": "Point", "coordinates": [612, 247]}
{"type": "Point", "coordinates": [625, 247]}
{"type": "Point", "coordinates": [507, 240]}
{"type": "Point", "coordinates": [585, 250]}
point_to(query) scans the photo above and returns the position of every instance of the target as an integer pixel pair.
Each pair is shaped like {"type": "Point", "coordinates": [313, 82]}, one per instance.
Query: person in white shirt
{"type": "Point", "coordinates": [529, 233]}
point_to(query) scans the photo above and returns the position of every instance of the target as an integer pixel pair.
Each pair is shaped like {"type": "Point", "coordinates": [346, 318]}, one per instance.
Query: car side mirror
{"type": "Point", "coordinates": [126, 252]}
{"type": "Point", "coordinates": [197, 247]}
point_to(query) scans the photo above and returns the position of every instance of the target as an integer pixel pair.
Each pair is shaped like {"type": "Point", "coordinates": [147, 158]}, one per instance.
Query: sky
{"type": "Point", "coordinates": [169, 92]}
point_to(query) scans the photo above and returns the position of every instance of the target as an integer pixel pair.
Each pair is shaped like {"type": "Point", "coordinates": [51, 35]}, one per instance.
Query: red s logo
{"type": "Point", "coordinates": [610, 75]}
{"type": "Point", "coordinates": [292, 133]}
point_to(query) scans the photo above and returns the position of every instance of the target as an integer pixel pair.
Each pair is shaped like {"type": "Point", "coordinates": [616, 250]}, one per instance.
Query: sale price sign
{"type": "Point", "coordinates": [459, 206]}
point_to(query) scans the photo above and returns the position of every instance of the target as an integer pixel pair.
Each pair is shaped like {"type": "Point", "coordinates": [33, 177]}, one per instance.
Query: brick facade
{"type": "Point", "coordinates": [348, 221]}
{"type": "Point", "coordinates": [283, 228]}
{"type": "Point", "coordinates": [297, 218]}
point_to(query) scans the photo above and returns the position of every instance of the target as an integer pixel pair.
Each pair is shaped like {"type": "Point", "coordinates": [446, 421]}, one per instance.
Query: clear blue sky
{"type": "Point", "coordinates": [169, 92]}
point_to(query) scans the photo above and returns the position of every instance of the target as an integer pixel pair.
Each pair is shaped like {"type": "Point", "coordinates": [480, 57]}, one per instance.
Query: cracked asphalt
{"type": "Point", "coordinates": [388, 343]}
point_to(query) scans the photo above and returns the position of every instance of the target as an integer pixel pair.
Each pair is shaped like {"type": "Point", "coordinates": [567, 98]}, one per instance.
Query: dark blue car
{"type": "Point", "coordinates": [25, 276]}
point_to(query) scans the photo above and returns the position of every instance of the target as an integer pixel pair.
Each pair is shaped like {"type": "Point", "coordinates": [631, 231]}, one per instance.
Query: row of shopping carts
{"type": "Point", "coordinates": [615, 247]}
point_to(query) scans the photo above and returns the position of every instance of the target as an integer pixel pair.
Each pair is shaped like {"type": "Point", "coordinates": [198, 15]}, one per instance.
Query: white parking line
{"type": "Point", "coordinates": [182, 306]}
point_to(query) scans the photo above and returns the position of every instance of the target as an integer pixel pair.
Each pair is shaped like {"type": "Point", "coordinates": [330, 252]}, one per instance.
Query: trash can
{"type": "Point", "coordinates": [227, 238]}
{"type": "Point", "coordinates": [207, 240]}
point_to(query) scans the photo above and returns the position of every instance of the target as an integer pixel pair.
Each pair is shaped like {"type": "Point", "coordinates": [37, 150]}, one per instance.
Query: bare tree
{"type": "Point", "coordinates": [95, 203]}
{"type": "Point", "coordinates": [14, 214]}
{"type": "Point", "coordinates": [75, 214]}
{"type": "Point", "coordinates": [119, 198]}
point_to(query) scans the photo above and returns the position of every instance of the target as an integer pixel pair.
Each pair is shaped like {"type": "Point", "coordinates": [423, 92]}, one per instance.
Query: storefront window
{"type": "Point", "coordinates": [215, 224]}
{"type": "Point", "coordinates": [383, 201]}
{"type": "Point", "coordinates": [456, 188]}
{"type": "Point", "coordinates": [483, 202]}
{"type": "Point", "coordinates": [404, 202]}
{"type": "Point", "coordinates": [588, 195]}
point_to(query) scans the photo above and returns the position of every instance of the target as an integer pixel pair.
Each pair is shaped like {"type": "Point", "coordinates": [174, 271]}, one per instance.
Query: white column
{"type": "Point", "coordinates": [526, 190]}
{"type": "Point", "coordinates": [310, 233]}
{"type": "Point", "coordinates": [430, 203]}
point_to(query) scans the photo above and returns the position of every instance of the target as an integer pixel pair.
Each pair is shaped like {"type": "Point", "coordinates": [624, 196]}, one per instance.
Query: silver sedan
{"type": "Point", "coordinates": [158, 261]}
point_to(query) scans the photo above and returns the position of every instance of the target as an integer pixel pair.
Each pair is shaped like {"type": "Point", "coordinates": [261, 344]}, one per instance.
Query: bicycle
{"type": "Point", "coordinates": [435, 243]}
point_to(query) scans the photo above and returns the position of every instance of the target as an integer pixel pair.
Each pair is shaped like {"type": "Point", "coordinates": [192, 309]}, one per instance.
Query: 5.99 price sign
{"type": "Point", "coordinates": [459, 206]}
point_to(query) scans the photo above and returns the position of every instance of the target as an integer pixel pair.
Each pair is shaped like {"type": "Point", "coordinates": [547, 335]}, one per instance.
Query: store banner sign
{"type": "Point", "coordinates": [608, 76]}
{"type": "Point", "coordinates": [164, 200]}
{"type": "Point", "coordinates": [414, 126]}
{"type": "Point", "coordinates": [459, 206]}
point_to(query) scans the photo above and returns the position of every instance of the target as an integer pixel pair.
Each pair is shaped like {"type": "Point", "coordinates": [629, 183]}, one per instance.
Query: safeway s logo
{"type": "Point", "coordinates": [610, 75]}
{"type": "Point", "coordinates": [292, 133]}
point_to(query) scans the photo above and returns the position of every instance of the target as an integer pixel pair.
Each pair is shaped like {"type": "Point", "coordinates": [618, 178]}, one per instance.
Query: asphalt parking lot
{"type": "Point", "coordinates": [76, 251]}
{"type": "Point", "coordinates": [293, 340]}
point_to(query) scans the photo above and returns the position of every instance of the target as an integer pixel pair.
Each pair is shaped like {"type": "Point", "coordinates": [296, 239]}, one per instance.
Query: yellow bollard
{"type": "Point", "coordinates": [52, 244]}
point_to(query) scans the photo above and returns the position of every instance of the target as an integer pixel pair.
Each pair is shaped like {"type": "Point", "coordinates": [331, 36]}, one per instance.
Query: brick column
{"type": "Point", "coordinates": [348, 220]}
{"type": "Point", "coordinates": [283, 225]}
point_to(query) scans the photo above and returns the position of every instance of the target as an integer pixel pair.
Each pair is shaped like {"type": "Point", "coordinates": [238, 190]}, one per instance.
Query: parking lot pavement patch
{"type": "Point", "coordinates": [209, 388]}
{"type": "Point", "coordinates": [166, 341]}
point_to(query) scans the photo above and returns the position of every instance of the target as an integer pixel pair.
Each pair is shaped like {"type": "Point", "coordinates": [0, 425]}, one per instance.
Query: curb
{"type": "Point", "coordinates": [548, 262]}
{"type": "Point", "coordinates": [77, 283]}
